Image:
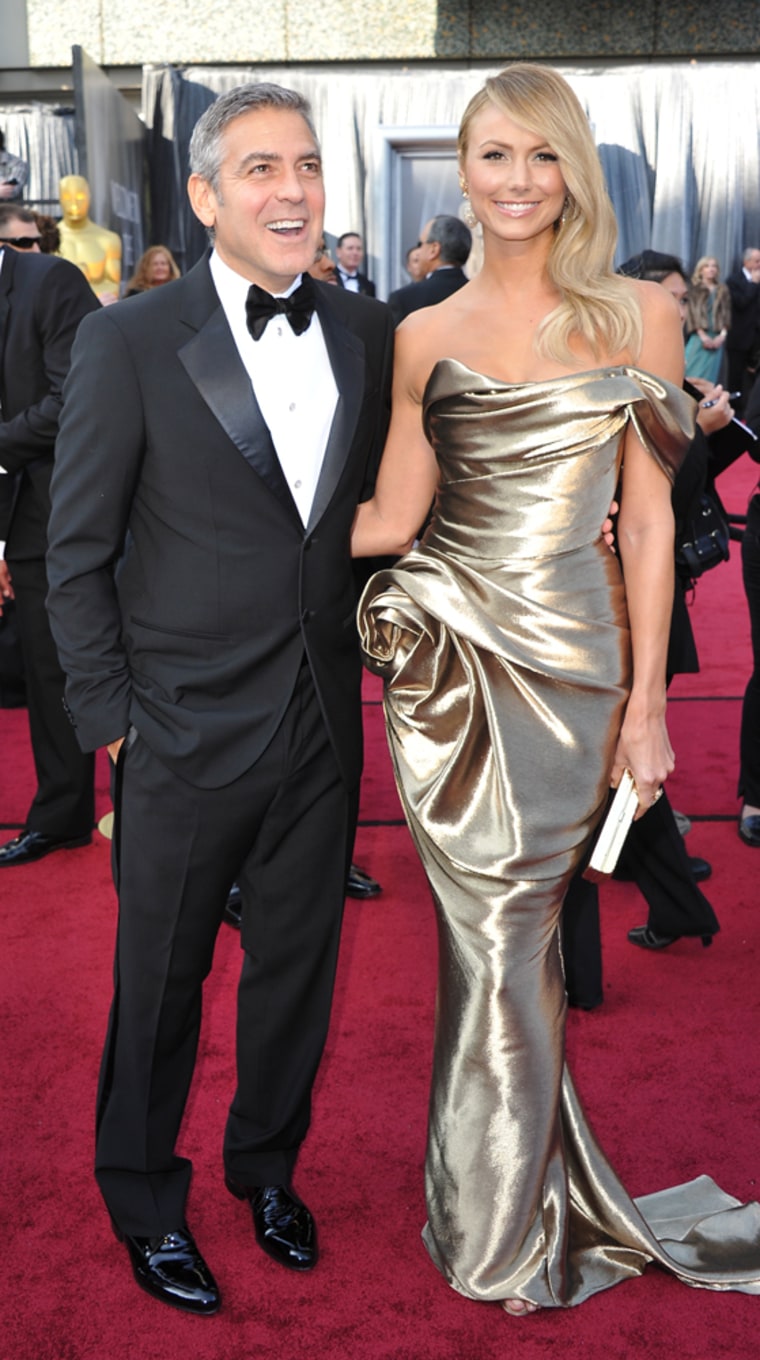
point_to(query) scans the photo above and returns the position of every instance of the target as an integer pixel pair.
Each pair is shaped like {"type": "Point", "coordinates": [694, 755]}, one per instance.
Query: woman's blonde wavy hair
{"type": "Point", "coordinates": [597, 304]}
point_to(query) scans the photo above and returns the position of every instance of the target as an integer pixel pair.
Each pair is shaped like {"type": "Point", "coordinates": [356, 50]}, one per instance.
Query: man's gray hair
{"type": "Point", "coordinates": [454, 238]}
{"type": "Point", "coordinates": [206, 141]}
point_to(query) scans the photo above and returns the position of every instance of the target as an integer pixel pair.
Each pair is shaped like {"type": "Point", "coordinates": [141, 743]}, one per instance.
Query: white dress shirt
{"type": "Point", "coordinates": [292, 381]}
{"type": "Point", "coordinates": [350, 281]}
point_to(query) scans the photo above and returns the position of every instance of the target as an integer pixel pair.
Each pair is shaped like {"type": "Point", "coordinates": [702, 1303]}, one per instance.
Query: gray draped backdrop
{"type": "Point", "coordinates": [679, 144]}
{"type": "Point", "coordinates": [44, 137]}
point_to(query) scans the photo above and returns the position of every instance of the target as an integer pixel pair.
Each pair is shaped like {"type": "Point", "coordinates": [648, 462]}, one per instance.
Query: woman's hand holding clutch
{"type": "Point", "coordinates": [644, 748]}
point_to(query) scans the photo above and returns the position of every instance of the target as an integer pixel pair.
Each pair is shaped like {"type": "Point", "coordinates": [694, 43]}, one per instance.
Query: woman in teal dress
{"type": "Point", "coordinates": [708, 320]}
{"type": "Point", "coordinates": [521, 678]}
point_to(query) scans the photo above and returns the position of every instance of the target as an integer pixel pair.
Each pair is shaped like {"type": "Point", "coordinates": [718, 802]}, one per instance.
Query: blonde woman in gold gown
{"type": "Point", "coordinates": [521, 678]}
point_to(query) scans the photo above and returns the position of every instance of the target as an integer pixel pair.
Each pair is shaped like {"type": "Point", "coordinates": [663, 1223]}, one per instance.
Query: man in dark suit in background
{"type": "Point", "coordinates": [349, 253]}
{"type": "Point", "coordinates": [216, 437]}
{"type": "Point", "coordinates": [443, 251]}
{"type": "Point", "coordinates": [42, 301]}
{"type": "Point", "coordinates": [744, 332]}
{"type": "Point", "coordinates": [18, 231]}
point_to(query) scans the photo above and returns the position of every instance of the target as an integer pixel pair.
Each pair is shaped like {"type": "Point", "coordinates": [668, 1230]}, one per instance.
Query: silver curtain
{"type": "Point", "coordinates": [679, 144]}
{"type": "Point", "coordinates": [44, 137]}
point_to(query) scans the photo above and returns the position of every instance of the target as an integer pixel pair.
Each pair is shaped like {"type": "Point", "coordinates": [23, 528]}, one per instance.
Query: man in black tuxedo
{"type": "Point", "coordinates": [349, 254]}
{"type": "Point", "coordinates": [744, 332]}
{"type": "Point", "coordinates": [443, 250]}
{"type": "Point", "coordinates": [214, 444]}
{"type": "Point", "coordinates": [42, 301]}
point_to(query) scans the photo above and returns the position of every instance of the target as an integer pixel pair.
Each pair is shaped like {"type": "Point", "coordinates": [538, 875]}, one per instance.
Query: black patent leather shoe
{"type": "Point", "coordinates": [32, 845]}
{"type": "Point", "coordinates": [700, 868]}
{"type": "Point", "coordinates": [233, 907]}
{"type": "Point", "coordinates": [359, 884]}
{"type": "Point", "coordinates": [646, 938]}
{"type": "Point", "coordinates": [172, 1269]}
{"type": "Point", "coordinates": [749, 831]}
{"type": "Point", "coordinates": [284, 1227]}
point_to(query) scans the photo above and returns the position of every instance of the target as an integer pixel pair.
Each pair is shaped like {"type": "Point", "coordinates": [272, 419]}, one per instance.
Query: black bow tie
{"type": "Point", "coordinates": [260, 307]}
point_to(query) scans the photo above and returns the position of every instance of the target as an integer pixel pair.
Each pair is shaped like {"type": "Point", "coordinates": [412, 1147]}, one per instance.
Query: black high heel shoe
{"type": "Point", "coordinates": [646, 938]}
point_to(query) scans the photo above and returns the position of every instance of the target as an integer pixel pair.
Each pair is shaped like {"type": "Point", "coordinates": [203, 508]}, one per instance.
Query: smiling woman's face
{"type": "Point", "coordinates": [513, 176]}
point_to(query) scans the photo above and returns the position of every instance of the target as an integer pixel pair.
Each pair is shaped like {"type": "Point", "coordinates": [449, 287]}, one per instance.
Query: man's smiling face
{"type": "Point", "coordinates": [267, 208]}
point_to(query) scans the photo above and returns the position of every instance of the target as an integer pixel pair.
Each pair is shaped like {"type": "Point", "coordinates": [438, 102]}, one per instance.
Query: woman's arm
{"type": "Point", "coordinates": [645, 541]}
{"type": "Point", "coordinates": [389, 523]}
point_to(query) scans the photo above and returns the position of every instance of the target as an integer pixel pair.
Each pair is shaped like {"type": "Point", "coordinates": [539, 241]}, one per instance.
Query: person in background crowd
{"type": "Point", "coordinates": [42, 301]}
{"type": "Point", "coordinates": [50, 236]}
{"type": "Point", "coordinates": [323, 267]}
{"type": "Point", "coordinates": [14, 173]}
{"type": "Point", "coordinates": [749, 776]}
{"type": "Point", "coordinates": [413, 264]}
{"type": "Point", "coordinates": [707, 322]}
{"type": "Point", "coordinates": [442, 253]}
{"type": "Point", "coordinates": [349, 253]}
{"type": "Point", "coordinates": [155, 266]}
{"type": "Point", "coordinates": [19, 229]}
{"type": "Point", "coordinates": [744, 331]}
{"type": "Point", "coordinates": [654, 855]}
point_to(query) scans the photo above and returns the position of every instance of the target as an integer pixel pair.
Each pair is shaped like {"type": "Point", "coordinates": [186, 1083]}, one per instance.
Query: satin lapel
{"type": "Point", "coordinates": [346, 354]}
{"type": "Point", "coordinates": [212, 362]}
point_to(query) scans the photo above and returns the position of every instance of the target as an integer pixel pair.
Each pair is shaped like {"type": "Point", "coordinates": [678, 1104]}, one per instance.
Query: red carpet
{"type": "Point", "coordinates": [668, 1069]}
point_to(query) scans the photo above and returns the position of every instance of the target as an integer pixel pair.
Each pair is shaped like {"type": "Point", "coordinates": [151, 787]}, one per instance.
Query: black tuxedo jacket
{"type": "Point", "coordinates": [184, 588]}
{"type": "Point", "coordinates": [745, 311]}
{"type": "Point", "coordinates": [42, 301]}
{"type": "Point", "coordinates": [437, 286]}
{"type": "Point", "coordinates": [366, 286]}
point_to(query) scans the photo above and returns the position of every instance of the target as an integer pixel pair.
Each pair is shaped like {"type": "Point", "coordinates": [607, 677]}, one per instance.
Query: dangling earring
{"type": "Point", "coordinates": [565, 213]}
{"type": "Point", "coordinates": [467, 209]}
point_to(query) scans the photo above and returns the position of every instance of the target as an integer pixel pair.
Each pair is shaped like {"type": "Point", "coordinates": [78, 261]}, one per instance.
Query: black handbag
{"type": "Point", "coordinates": [705, 538]}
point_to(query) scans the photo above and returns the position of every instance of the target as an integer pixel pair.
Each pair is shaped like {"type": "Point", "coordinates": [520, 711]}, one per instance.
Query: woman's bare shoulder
{"type": "Point", "coordinates": [424, 337]}
{"type": "Point", "coordinates": [662, 345]}
{"type": "Point", "coordinates": [656, 303]}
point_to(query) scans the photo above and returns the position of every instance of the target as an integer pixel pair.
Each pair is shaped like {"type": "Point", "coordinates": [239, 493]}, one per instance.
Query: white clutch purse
{"type": "Point", "coordinates": [613, 830]}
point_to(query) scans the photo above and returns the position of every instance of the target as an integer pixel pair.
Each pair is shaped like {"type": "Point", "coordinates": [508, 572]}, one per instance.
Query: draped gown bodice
{"type": "Point", "coordinates": [503, 640]}
{"type": "Point", "coordinates": [529, 469]}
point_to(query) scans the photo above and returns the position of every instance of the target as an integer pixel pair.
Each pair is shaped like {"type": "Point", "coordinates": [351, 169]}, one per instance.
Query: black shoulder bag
{"type": "Point", "coordinates": [704, 541]}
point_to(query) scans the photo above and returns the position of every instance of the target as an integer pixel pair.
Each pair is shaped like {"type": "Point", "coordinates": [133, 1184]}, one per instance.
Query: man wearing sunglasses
{"type": "Point", "coordinates": [19, 230]}
{"type": "Point", "coordinates": [42, 301]}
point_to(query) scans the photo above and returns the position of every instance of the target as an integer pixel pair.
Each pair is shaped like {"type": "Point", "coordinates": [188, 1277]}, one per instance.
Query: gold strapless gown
{"type": "Point", "coordinates": [504, 644]}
